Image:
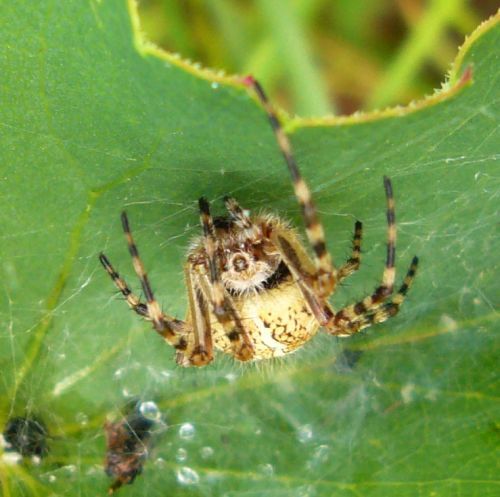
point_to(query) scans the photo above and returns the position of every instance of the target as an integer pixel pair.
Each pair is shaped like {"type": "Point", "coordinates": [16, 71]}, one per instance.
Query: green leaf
{"type": "Point", "coordinates": [94, 121]}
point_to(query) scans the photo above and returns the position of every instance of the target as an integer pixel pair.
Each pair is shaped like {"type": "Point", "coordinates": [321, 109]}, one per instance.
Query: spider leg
{"type": "Point", "coordinates": [222, 305]}
{"type": "Point", "coordinates": [132, 300]}
{"type": "Point", "coordinates": [354, 261]}
{"type": "Point", "coordinates": [171, 329]}
{"type": "Point", "coordinates": [326, 272]}
{"type": "Point", "coordinates": [199, 351]}
{"type": "Point", "coordinates": [302, 269]}
{"type": "Point", "coordinates": [383, 312]}
{"type": "Point", "coordinates": [370, 303]}
{"type": "Point", "coordinates": [237, 213]}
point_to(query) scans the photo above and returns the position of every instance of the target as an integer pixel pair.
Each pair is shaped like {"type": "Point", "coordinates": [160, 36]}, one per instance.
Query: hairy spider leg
{"type": "Point", "coordinates": [325, 270]}
{"type": "Point", "coordinates": [242, 220]}
{"type": "Point", "coordinates": [132, 300]}
{"type": "Point", "coordinates": [171, 329]}
{"type": "Point", "coordinates": [200, 351]}
{"type": "Point", "coordinates": [223, 307]}
{"type": "Point", "coordinates": [354, 261]}
{"type": "Point", "coordinates": [237, 213]}
{"type": "Point", "coordinates": [387, 310]}
{"type": "Point", "coordinates": [370, 303]}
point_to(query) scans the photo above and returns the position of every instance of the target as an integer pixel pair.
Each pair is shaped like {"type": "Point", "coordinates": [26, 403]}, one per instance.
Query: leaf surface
{"type": "Point", "coordinates": [93, 121]}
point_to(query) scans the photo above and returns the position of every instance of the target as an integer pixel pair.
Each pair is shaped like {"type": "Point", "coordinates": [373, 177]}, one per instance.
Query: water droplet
{"type": "Point", "coordinates": [407, 393]}
{"type": "Point", "coordinates": [118, 373]}
{"type": "Point", "coordinates": [266, 469]}
{"type": "Point", "coordinates": [231, 377]}
{"type": "Point", "coordinates": [320, 456]}
{"type": "Point", "coordinates": [305, 433]}
{"type": "Point", "coordinates": [150, 410]}
{"type": "Point", "coordinates": [187, 476]}
{"type": "Point", "coordinates": [52, 478]}
{"type": "Point", "coordinates": [206, 452]}
{"type": "Point", "coordinates": [160, 462]}
{"type": "Point", "coordinates": [70, 468]}
{"type": "Point", "coordinates": [82, 418]}
{"type": "Point", "coordinates": [94, 470]}
{"type": "Point", "coordinates": [187, 431]}
{"type": "Point", "coordinates": [306, 491]}
{"type": "Point", "coordinates": [215, 85]}
{"type": "Point", "coordinates": [11, 458]}
{"type": "Point", "coordinates": [181, 455]}
{"type": "Point", "coordinates": [166, 375]}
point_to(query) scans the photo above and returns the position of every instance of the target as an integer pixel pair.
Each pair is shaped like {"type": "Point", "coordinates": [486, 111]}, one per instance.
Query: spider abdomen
{"type": "Point", "coordinates": [277, 322]}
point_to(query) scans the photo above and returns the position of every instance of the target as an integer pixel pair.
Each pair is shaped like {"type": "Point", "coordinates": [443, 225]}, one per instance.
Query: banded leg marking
{"type": "Point", "coordinates": [168, 327]}
{"type": "Point", "coordinates": [132, 300]}
{"type": "Point", "coordinates": [383, 312]}
{"type": "Point", "coordinates": [354, 261]}
{"type": "Point", "coordinates": [314, 228]}
{"type": "Point", "coordinates": [222, 306]}
{"type": "Point", "coordinates": [370, 303]}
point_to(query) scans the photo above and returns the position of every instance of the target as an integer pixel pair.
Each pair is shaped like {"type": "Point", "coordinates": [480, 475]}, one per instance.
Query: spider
{"type": "Point", "coordinates": [253, 290]}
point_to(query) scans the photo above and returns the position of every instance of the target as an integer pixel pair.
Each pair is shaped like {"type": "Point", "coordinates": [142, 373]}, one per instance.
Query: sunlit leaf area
{"type": "Point", "coordinates": [107, 106]}
{"type": "Point", "coordinates": [321, 56]}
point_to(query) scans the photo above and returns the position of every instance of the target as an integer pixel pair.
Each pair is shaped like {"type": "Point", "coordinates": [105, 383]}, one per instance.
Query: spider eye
{"type": "Point", "coordinates": [240, 263]}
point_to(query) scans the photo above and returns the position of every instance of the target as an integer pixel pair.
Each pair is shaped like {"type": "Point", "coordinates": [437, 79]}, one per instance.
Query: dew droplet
{"type": "Point", "coordinates": [319, 456]}
{"type": "Point", "coordinates": [231, 377]}
{"type": "Point", "coordinates": [305, 433]}
{"type": "Point", "coordinates": [52, 478]}
{"type": "Point", "coordinates": [160, 462]}
{"type": "Point", "coordinates": [206, 452]}
{"type": "Point", "coordinates": [187, 476]}
{"type": "Point", "coordinates": [11, 458]}
{"type": "Point", "coordinates": [118, 373]}
{"type": "Point", "coordinates": [70, 468]}
{"type": "Point", "coordinates": [165, 375]}
{"type": "Point", "coordinates": [150, 410]}
{"type": "Point", "coordinates": [407, 393]}
{"type": "Point", "coordinates": [266, 469]}
{"type": "Point", "coordinates": [93, 470]}
{"type": "Point", "coordinates": [181, 455]}
{"type": "Point", "coordinates": [82, 418]}
{"type": "Point", "coordinates": [215, 85]}
{"type": "Point", "coordinates": [306, 491]}
{"type": "Point", "coordinates": [187, 431]}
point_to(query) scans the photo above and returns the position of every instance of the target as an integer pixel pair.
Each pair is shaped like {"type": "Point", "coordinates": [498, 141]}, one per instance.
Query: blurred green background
{"type": "Point", "coordinates": [321, 56]}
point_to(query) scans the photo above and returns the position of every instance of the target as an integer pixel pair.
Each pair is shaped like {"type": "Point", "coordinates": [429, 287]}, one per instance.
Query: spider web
{"type": "Point", "coordinates": [377, 414]}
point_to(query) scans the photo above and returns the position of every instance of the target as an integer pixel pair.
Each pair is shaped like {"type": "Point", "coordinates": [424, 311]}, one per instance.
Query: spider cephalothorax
{"type": "Point", "coordinates": [253, 290]}
{"type": "Point", "coordinates": [247, 258]}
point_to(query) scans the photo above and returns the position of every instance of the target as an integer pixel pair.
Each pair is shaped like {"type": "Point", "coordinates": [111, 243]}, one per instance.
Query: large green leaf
{"type": "Point", "coordinates": [92, 121]}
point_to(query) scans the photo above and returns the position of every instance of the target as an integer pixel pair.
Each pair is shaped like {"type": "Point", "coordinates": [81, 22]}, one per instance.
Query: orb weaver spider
{"type": "Point", "coordinates": [253, 290]}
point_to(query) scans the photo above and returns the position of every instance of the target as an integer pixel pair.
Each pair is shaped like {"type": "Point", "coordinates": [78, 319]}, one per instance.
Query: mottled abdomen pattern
{"type": "Point", "coordinates": [277, 320]}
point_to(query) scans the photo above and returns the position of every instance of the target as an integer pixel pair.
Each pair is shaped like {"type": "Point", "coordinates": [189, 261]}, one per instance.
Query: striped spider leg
{"type": "Point", "coordinates": [207, 299]}
{"type": "Point", "coordinates": [188, 338]}
{"type": "Point", "coordinates": [320, 283]}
